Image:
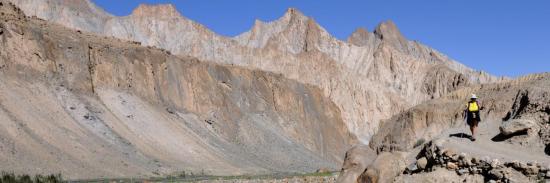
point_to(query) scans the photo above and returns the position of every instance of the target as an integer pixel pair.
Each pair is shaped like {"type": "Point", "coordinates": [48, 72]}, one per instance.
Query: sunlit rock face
{"type": "Point", "coordinates": [371, 77]}
{"type": "Point", "coordinates": [89, 106]}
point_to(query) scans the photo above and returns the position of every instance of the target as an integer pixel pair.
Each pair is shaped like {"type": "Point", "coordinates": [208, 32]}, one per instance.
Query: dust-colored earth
{"type": "Point", "coordinates": [431, 142]}
{"type": "Point", "coordinates": [88, 106]}
{"type": "Point", "coordinates": [92, 96]}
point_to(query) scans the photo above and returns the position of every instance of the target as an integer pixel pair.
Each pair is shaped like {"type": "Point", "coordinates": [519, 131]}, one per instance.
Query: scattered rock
{"type": "Point", "coordinates": [454, 157]}
{"type": "Point", "coordinates": [462, 156]}
{"type": "Point", "coordinates": [475, 160]}
{"type": "Point", "coordinates": [495, 163]}
{"type": "Point", "coordinates": [385, 168]}
{"type": "Point", "coordinates": [489, 168]}
{"type": "Point", "coordinates": [452, 166]}
{"type": "Point", "coordinates": [449, 153]}
{"type": "Point", "coordinates": [462, 171]}
{"type": "Point", "coordinates": [170, 110]}
{"type": "Point", "coordinates": [209, 121]}
{"type": "Point", "coordinates": [466, 162]}
{"type": "Point", "coordinates": [475, 170]}
{"type": "Point", "coordinates": [412, 168]}
{"type": "Point", "coordinates": [421, 163]}
{"type": "Point", "coordinates": [496, 174]}
{"type": "Point", "coordinates": [355, 162]}
{"type": "Point", "coordinates": [531, 170]}
{"type": "Point", "coordinates": [89, 117]}
{"type": "Point", "coordinates": [516, 126]}
{"type": "Point", "coordinates": [515, 176]}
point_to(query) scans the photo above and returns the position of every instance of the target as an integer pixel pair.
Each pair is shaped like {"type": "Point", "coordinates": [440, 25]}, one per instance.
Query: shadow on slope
{"type": "Point", "coordinates": [501, 137]}
{"type": "Point", "coordinates": [461, 135]}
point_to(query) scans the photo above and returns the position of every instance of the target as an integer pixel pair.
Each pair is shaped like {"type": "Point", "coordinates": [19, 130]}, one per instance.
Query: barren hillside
{"type": "Point", "coordinates": [88, 106]}
{"type": "Point", "coordinates": [90, 95]}
{"type": "Point", "coordinates": [370, 78]}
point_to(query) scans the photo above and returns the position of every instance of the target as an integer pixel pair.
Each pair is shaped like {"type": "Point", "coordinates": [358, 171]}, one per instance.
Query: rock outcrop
{"type": "Point", "coordinates": [516, 126]}
{"type": "Point", "coordinates": [492, 169]}
{"type": "Point", "coordinates": [512, 143]}
{"type": "Point", "coordinates": [501, 100]}
{"type": "Point", "coordinates": [356, 161]}
{"type": "Point", "coordinates": [385, 168]}
{"type": "Point", "coordinates": [372, 77]}
{"type": "Point", "coordinates": [87, 106]}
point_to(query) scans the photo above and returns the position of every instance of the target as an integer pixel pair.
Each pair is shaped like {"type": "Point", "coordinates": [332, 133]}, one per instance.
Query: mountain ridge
{"type": "Point", "coordinates": [87, 106]}
{"type": "Point", "coordinates": [157, 94]}
{"type": "Point", "coordinates": [157, 11]}
{"type": "Point", "coordinates": [371, 75]}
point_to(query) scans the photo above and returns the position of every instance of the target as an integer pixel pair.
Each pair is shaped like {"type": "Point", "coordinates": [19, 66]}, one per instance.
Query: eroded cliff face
{"type": "Point", "coordinates": [371, 77]}
{"type": "Point", "coordinates": [87, 106]}
{"type": "Point", "coordinates": [430, 142]}
{"type": "Point", "coordinates": [522, 98]}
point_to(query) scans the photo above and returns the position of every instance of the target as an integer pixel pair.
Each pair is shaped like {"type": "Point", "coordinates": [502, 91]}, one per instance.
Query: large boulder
{"type": "Point", "coordinates": [385, 168]}
{"type": "Point", "coordinates": [515, 126]}
{"type": "Point", "coordinates": [422, 163]}
{"type": "Point", "coordinates": [356, 161]}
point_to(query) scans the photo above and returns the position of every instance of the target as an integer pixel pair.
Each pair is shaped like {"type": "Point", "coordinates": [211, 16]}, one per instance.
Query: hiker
{"type": "Point", "coordinates": [472, 115]}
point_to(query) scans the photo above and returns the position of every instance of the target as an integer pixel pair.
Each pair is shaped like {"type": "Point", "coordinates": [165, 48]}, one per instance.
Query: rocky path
{"type": "Point", "coordinates": [453, 157]}
{"type": "Point", "coordinates": [484, 146]}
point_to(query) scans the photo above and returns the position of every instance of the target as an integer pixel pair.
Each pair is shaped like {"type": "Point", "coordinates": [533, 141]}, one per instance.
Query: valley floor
{"type": "Point", "coordinates": [329, 177]}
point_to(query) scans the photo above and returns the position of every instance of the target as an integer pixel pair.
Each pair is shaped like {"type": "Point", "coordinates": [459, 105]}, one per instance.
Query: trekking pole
{"type": "Point", "coordinates": [464, 121]}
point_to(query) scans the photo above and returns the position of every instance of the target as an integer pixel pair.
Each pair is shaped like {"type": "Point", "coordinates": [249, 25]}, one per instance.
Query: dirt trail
{"type": "Point", "coordinates": [485, 147]}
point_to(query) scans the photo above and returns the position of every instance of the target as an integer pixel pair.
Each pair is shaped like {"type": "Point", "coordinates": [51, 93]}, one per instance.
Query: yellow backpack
{"type": "Point", "coordinates": [473, 107]}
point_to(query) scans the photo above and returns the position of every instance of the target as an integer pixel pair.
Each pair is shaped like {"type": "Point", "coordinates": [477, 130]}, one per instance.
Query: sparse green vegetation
{"type": "Point", "coordinates": [189, 177]}
{"type": "Point", "coordinates": [13, 178]}
{"type": "Point", "coordinates": [322, 174]}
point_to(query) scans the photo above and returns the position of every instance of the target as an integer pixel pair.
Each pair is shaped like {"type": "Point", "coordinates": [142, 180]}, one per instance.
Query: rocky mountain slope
{"type": "Point", "coordinates": [372, 76]}
{"type": "Point", "coordinates": [87, 106]}
{"type": "Point", "coordinates": [430, 142]}
{"type": "Point", "coordinates": [90, 95]}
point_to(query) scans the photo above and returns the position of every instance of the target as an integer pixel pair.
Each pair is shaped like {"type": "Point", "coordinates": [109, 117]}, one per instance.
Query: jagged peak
{"type": "Point", "coordinates": [294, 25]}
{"type": "Point", "coordinates": [388, 30]}
{"type": "Point", "coordinates": [389, 33]}
{"type": "Point", "coordinates": [156, 10]}
{"type": "Point", "coordinates": [258, 22]}
{"type": "Point", "coordinates": [292, 14]}
{"type": "Point", "coordinates": [359, 37]}
{"type": "Point", "coordinates": [360, 30]}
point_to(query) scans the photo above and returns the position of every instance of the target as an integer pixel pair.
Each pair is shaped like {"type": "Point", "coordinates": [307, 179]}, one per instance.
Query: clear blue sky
{"type": "Point", "coordinates": [502, 37]}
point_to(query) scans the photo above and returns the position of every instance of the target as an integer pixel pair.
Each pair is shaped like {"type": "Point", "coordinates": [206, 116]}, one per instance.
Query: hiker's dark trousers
{"type": "Point", "coordinates": [473, 118]}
